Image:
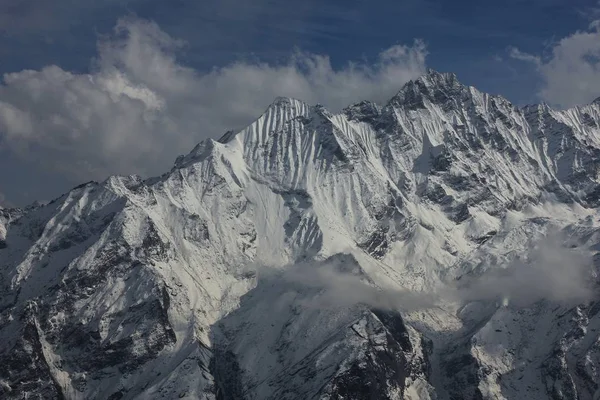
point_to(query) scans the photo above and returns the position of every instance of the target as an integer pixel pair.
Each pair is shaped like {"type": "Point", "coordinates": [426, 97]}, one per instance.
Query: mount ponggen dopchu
{"type": "Point", "coordinates": [444, 245]}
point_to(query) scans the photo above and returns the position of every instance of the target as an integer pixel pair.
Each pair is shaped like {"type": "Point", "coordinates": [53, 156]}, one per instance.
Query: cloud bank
{"type": "Point", "coordinates": [571, 71]}
{"type": "Point", "coordinates": [329, 284]}
{"type": "Point", "coordinates": [549, 272]}
{"type": "Point", "coordinates": [139, 108]}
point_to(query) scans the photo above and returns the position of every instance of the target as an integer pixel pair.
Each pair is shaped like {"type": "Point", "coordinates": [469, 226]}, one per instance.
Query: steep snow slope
{"type": "Point", "coordinates": [319, 255]}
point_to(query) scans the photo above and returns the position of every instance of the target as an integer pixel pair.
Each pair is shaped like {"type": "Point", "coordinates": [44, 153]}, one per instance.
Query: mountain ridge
{"type": "Point", "coordinates": [431, 75]}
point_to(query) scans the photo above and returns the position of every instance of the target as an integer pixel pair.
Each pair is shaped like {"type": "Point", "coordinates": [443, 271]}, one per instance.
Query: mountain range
{"type": "Point", "coordinates": [444, 245]}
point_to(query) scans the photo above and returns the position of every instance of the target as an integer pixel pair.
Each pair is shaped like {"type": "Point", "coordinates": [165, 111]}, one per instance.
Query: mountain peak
{"type": "Point", "coordinates": [200, 152]}
{"type": "Point", "coordinates": [434, 86]}
{"type": "Point", "coordinates": [435, 78]}
{"type": "Point", "coordinates": [284, 101]}
{"type": "Point", "coordinates": [362, 111]}
{"type": "Point", "coordinates": [288, 106]}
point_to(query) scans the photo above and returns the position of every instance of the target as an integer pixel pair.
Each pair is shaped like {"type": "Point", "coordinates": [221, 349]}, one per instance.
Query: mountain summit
{"type": "Point", "coordinates": [440, 246]}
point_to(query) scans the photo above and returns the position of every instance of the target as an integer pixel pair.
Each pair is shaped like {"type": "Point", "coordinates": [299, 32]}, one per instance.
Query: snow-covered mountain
{"type": "Point", "coordinates": [441, 246]}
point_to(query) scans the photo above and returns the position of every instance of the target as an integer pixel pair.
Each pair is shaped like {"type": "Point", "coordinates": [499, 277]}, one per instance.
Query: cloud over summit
{"type": "Point", "coordinates": [138, 107]}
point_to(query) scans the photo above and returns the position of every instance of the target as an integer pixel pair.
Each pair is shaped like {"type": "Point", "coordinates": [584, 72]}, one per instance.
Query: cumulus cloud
{"type": "Point", "coordinates": [571, 71]}
{"type": "Point", "coordinates": [139, 107]}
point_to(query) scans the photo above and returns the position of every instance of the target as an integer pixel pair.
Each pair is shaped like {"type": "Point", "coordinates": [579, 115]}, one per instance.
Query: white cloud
{"type": "Point", "coordinates": [139, 108]}
{"type": "Point", "coordinates": [519, 55]}
{"type": "Point", "coordinates": [571, 72]}
{"type": "Point", "coordinates": [339, 287]}
{"type": "Point", "coordinates": [551, 271]}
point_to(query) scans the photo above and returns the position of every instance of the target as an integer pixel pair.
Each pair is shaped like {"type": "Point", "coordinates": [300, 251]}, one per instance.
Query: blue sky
{"type": "Point", "coordinates": [463, 36]}
{"type": "Point", "coordinates": [519, 49]}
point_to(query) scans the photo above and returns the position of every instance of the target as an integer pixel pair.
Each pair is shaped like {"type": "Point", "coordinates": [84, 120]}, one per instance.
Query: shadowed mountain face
{"type": "Point", "coordinates": [440, 246]}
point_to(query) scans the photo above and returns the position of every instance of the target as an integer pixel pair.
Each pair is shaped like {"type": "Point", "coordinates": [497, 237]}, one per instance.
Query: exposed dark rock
{"type": "Point", "coordinates": [228, 376]}
{"type": "Point", "coordinates": [462, 372]}
{"type": "Point", "coordinates": [377, 244]}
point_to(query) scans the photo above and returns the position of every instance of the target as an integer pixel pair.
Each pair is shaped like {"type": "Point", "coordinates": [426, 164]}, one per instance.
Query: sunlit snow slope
{"type": "Point", "coordinates": [310, 256]}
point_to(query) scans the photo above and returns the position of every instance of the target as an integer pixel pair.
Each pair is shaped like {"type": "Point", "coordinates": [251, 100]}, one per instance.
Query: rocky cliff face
{"type": "Point", "coordinates": [310, 254]}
